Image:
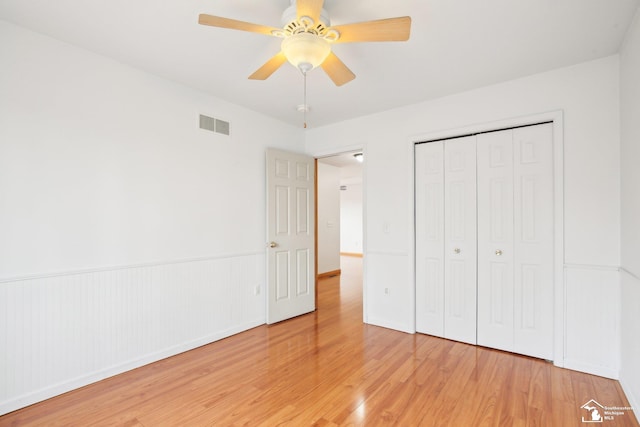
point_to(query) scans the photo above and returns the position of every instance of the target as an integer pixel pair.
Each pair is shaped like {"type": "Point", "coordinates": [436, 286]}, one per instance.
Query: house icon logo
{"type": "Point", "coordinates": [593, 412]}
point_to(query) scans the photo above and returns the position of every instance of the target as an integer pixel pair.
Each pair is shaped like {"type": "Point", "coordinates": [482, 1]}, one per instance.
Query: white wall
{"type": "Point", "coordinates": [328, 218]}
{"type": "Point", "coordinates": [589, 98]}
{"type": "Point", "coordinates": [127, 233]}
{"type": "Point", "coordinates": [630, 184]}
{"type": "Point", "coordinates": [351, 219]}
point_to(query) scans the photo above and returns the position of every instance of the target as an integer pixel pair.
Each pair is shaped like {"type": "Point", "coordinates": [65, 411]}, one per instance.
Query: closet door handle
{"type": "Point", "coordinates": [456, 251]}
{"type": "Point", "coordinates": [498, 252]}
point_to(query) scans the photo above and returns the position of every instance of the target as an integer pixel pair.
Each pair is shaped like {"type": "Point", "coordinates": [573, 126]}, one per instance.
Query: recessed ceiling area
{"type": "Point", "coordinates": [454, 47]}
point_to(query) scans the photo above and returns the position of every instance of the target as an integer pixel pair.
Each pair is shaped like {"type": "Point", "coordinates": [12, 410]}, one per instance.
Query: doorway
{"type": "Point", "coordinates": [339, 226]}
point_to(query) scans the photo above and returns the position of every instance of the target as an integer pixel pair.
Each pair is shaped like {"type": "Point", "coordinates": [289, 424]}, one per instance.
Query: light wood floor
{"type": "Point", "coordinates": [328, 368]}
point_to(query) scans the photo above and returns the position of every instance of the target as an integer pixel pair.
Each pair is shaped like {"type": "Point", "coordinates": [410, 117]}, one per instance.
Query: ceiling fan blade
{"type": "Point", "coordinates": [310, 8]}
{"type": "Point", "coordinates": [382, 30]}
{"type": "Point", "coordinates": [269, 67]}
{"type": "Point", "coordinates": [336, 70]}
{"type": "Point", "coordinates": [232, 24]}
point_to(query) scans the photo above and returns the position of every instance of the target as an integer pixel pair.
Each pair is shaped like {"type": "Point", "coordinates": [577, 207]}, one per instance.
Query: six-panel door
{"type": "Point", "coordinates": [290, 234]}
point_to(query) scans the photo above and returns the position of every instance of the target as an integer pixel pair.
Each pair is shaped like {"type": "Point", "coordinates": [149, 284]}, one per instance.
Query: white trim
{"type": "Point", "coordinates": [365, 268]}
{"type": "Point", "coordinates": [558, 185]}
{"type": "Point", "coordinates": [592, 267]}
{"type": "Point", "coordinates": [398, 253]}
{"type": "Point", "coordinates": [555, 116]}
{"type": "Point", "coordinates": [633, 402]}
{"type": "Point", "coordinates": [411, 256]}
{"type": "Point", "coordinates": [591, 369]}
{"type": "Point", "coordinates": [126, 267]}
{"type": "Point", "coordinates": [338, 151]}
{"type": "Point", "coordinates": [624, 270]}
{"type": "Point", "coordinates": [395, 326]}
{"type": "Point", "coordinates": [558, 234]}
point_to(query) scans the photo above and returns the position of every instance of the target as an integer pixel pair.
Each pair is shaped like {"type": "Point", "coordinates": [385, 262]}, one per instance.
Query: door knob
{"type": "Point", "coordinates": [498, 252]}
{"type": "Point", "coordinates": [456, 251]}
{"type": "Point", "coordinates": [273, 244]}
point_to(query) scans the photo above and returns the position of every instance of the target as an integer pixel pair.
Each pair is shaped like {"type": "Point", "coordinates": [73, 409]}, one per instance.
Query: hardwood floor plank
{"type": "Point", "coordinates": [540, 386]}
{"type": "Point", "coordinates": [327, 368]}
{"type": "Point", "coordinates": [561, 386]}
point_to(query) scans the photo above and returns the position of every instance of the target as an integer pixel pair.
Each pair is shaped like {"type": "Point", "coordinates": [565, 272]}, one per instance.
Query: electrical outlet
{"type": "Point", "coordinates": [257, 290]}
{"type": "Point", "coordinates": [386, 291]}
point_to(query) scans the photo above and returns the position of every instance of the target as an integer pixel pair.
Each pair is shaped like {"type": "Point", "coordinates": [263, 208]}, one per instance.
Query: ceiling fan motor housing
{"type": "Point", "coordinates": [291, 15]}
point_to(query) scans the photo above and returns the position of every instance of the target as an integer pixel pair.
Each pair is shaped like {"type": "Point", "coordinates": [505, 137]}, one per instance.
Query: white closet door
{"type": "Point", "coordinates": [495, 240]}
{"type": "Point", "coordinates": [429, 193]}
{"type": "Point", "coordinates": [460, 240]}
{"type": "Point", "coordinates": [515, 240]}
{"type": "Point", "coordinates": [533, 237]}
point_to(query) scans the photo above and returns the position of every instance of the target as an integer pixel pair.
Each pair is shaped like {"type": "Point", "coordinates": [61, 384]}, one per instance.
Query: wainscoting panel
{"type": "Point", "coordinates": [60, 332]}
{"type": "Point", "coordinates": [630, 345]}
{"type": "Point", "coordinates": [592, 334]}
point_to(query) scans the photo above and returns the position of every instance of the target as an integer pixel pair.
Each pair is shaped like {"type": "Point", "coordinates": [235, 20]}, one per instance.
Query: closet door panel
{"type": "Point", "coordinates": [429, 193]}
{"type": "Point", "coordinates": [495, 240]}
{"type": "Point", "coordinates": [533, 233]}
{"type": "Point", "coordinates": [460, 239]}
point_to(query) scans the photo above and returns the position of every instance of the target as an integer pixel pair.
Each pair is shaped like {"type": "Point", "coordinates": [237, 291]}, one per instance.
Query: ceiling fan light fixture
{"type": "Point", "coordinates": [305, 50]}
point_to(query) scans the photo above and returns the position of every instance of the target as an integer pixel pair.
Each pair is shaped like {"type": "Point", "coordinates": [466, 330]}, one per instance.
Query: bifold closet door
{"type": "Point", "coordinates": [495, 240]}
{"type": "Point", "coordinates": [446, 239]}
{"type": "Point", "coordinates": [515, 240]}
{"type": "Point", "coordinates": [460, 256]}
{"type": "Point", "coordinates": [429, 194]}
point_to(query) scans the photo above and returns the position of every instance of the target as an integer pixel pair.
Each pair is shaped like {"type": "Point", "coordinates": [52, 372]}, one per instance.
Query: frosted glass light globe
{"type": "Point", "coordinates": [305, 50]}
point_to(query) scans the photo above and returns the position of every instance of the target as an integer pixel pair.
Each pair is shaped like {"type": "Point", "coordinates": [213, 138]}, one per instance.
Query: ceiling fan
{"type": "Point", "coordinates": [307, 38]}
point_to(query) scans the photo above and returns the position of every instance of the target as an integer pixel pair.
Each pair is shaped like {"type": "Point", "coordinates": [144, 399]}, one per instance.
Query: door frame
{"type": "Point", "coordinates": [557, 119]}
{"type": "Point", "coordinates": [336, 152]}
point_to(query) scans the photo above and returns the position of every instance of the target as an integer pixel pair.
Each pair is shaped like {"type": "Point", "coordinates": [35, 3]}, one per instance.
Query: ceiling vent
{"type": "Point", "coordinates": [214, 125]}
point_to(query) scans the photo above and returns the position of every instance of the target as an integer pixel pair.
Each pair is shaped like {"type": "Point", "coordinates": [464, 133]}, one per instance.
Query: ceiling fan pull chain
{"type": "Point", "coordinates": [306, 106]}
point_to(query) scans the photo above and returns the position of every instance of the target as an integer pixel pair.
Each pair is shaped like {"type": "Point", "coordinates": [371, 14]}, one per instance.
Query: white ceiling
{"type": "Point", "coordinates": [342, 160]}
{"type": "Point", "coordinates": [350, 168]}
{"type": "Point", "coordinates": [455, 45]}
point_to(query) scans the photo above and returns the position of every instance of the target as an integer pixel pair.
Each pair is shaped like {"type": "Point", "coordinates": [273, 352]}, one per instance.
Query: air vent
{"type": "Point", "coordinates": [343, 187]}
{"type": "Point", "coordinates": [214, 125]}
{"type": "Point", "coordinates": [222, 127]}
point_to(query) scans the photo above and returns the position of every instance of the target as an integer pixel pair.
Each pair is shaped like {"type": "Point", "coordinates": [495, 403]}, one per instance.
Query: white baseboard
{"type": "Point", "coordinates": [390, 325]}
{"type": "Point", "coordinates": [634, 401]}
{"type": "Point", "coordinates": [591, 369]}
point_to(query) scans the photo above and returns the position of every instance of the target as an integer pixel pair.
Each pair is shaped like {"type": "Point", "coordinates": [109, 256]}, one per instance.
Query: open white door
{"type": "Point", "coordinates": [290, 233]}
